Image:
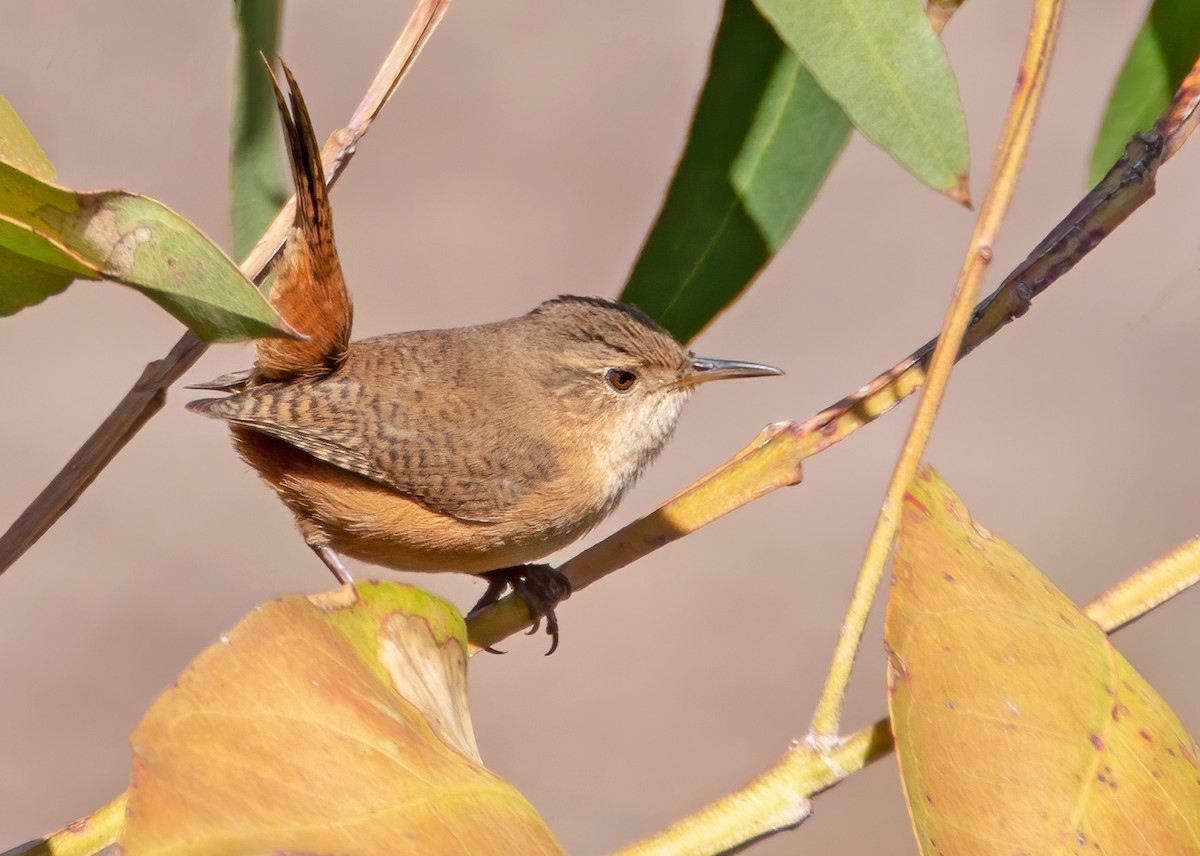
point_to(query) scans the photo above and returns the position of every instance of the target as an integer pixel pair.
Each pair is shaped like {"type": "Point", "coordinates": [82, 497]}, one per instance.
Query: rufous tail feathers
{"type": "Point", "coordinates": [308, 291]}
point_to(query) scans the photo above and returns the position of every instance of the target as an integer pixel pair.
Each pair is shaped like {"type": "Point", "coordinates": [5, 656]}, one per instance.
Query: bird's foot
{"type": "Point", "coordinates": [541, 587]}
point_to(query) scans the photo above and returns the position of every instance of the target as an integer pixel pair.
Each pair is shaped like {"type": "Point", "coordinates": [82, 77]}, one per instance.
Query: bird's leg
{"type": "Point", "coordinates": [334, 564]}
{"type": "Point", "coordinates": [541, 587]}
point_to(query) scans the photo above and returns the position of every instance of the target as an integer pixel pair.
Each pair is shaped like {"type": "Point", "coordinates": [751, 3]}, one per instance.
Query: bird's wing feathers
{"type": "Point", "coordinates": [232, 382]}
{"type": "Point", "coordinates": [318, 445]}
{"type": "Point", "coordinates": [344, 423]}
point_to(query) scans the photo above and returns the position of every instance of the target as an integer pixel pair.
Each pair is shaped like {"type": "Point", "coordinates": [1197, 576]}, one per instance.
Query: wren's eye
{"type": "Point", "coordinates": [620, 380]}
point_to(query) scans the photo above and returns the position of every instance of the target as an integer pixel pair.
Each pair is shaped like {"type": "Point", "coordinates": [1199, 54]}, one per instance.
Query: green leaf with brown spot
{"type": "Point", "coordinates": [52, 235]}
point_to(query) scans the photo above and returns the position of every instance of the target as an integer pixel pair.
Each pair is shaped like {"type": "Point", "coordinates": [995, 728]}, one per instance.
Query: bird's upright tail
{"type": "Point", "coordinates": [308, 290]}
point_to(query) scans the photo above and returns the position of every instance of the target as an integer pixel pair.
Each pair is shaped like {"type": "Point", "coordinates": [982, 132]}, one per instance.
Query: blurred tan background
{"type": "Point", "coordinates": [526, 156]}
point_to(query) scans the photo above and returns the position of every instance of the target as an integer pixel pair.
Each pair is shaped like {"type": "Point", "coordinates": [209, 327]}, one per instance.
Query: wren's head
{"type": "Point", "coordinates": [622, 379]}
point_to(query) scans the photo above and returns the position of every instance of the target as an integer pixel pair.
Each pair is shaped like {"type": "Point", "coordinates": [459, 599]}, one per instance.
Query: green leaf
{"type": "Point", "coordinates": [1163, 52]}
{"type": "Point", "coordinates": [880, 60]}
{"type": "Point", "coordinates": [51, 234]}
{"type": "Point", "coordinates": [762, 139]}
{"type": "Point", "coordinates": [32, 268]}
{"type": "Point", "coordinates": [256, 174]}
{"type": "Point", "coordinates": [19, 148]}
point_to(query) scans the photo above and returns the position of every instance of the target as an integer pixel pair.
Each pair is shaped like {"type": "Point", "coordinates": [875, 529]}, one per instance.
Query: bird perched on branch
{"type": "Point", "coordinates": [476, 449]}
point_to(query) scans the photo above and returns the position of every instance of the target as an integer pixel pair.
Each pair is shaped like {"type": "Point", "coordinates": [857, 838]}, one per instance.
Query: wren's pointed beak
{"type": "Point", "coordinates": [702, 370]}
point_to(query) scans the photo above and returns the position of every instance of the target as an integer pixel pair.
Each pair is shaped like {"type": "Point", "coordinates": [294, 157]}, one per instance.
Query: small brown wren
{"type": "Point", "coordinates": [475, 449]}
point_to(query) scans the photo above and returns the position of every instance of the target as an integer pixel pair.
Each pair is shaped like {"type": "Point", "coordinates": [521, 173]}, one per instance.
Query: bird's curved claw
{"type": "Point", "coordinates": [541, 587]}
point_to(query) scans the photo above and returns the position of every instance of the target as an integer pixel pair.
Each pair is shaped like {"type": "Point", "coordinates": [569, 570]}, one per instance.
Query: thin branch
{"type": "Point", "coordinates": [773, 460]}
{"type": "Point", "coordinates": [87, 836]}
{"type": "Point", "coordinates": [1145, 150]}
{"type": "Point", "coordinates": [149, 393]}
{"type": "Point", "coordinates": [761, 807]}
{"type": "Point", "coordinates": [1126, 187]}
{"type": "Point", "coordinates": [1148, 589]}
{"type": "Point", "coordinates": [1014, 144]}
{"type": "Point", "coordinates": [778, 799]}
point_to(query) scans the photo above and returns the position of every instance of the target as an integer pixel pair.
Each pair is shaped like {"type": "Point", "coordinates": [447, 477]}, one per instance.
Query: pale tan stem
{"type": "Point", "coordinates": [1014, 143]}
{"type": "Point", "coordinates": [775, 800]}
{"type": "Point", "coordinates": [1148, 588]}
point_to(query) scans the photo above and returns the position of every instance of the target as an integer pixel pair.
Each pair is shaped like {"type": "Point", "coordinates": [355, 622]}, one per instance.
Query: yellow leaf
{"type": "Point", "coordinates": [331, 724]}
{"type": "Point", "coordinates": [1019, 728]}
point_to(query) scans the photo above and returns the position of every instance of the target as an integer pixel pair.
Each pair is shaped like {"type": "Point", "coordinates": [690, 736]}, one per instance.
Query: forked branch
{"type": "Point", "coordinates": [774, 458]}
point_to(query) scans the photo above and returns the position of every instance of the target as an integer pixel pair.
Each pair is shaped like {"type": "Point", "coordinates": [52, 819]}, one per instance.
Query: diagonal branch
{"type": "Point", "coordinates": [773, 460]}
{"type": "Point", "coordinates": [149, 393]}
{"type": "Point", "coordinates": [780, 797]}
